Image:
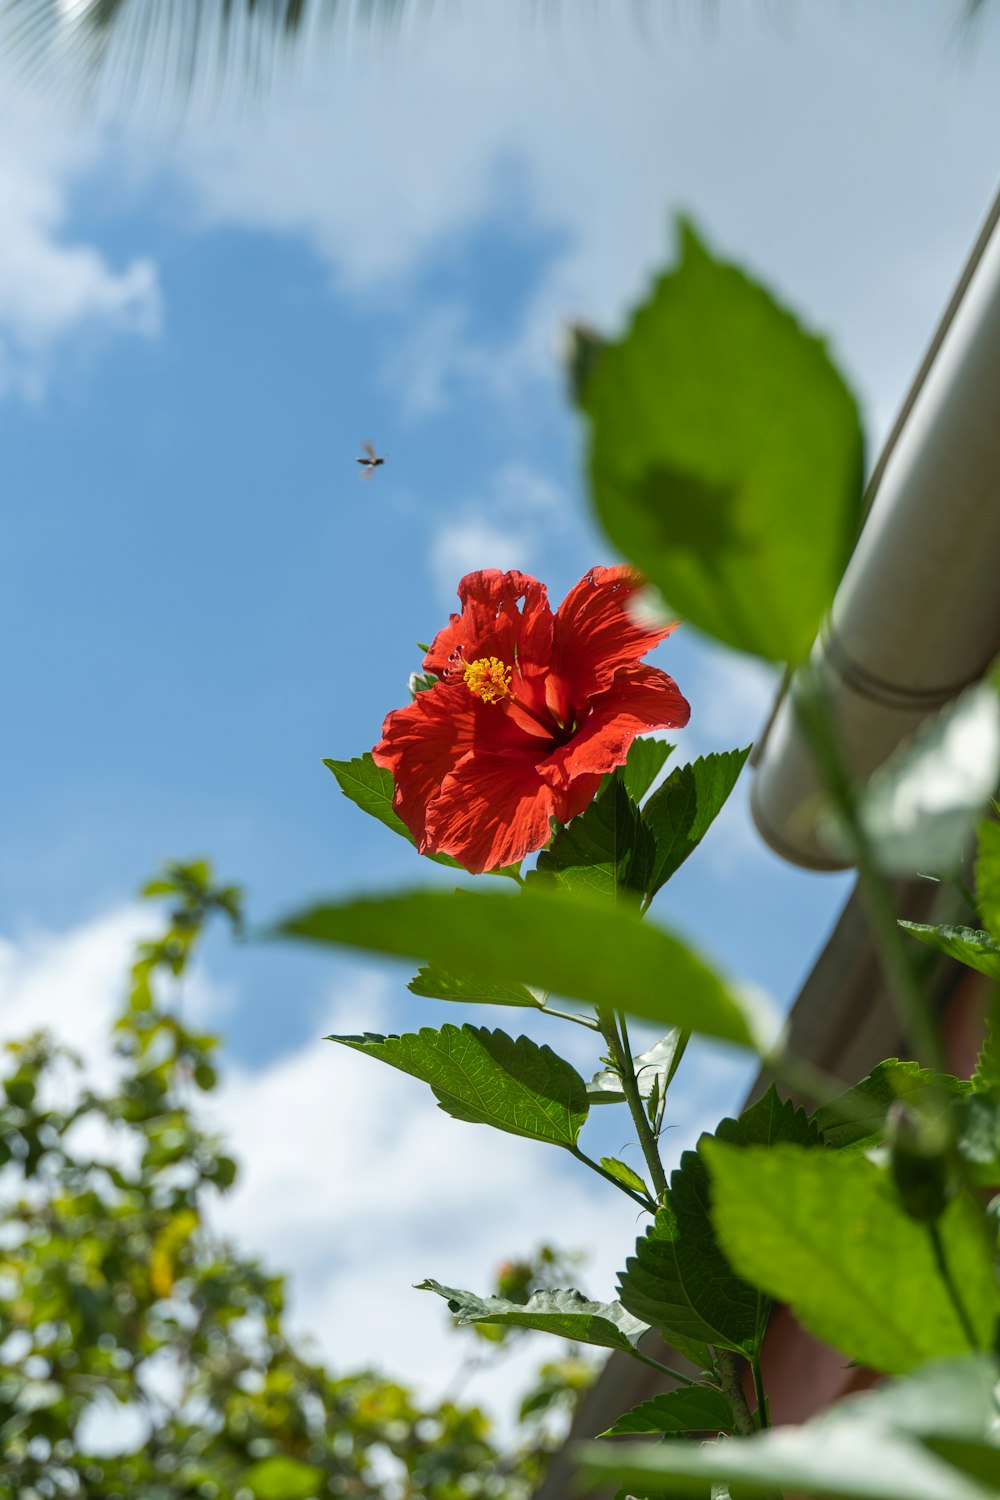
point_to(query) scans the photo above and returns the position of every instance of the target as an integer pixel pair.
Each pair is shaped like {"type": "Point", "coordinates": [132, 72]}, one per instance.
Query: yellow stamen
{"type": "Point", "coordinates": [488, 678]}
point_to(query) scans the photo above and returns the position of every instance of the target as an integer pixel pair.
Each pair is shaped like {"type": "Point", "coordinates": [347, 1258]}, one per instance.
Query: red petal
{"type": "Point", "coordinates": [640, 699]}
{"type": "Point", "coordinates": [595, 635]}
{"type": "Point", "coordinates": [493, 624]}
{"type": "Point", "coordinates": [493, 810]}
{"type": "Point", "coordinates": [421, 744]}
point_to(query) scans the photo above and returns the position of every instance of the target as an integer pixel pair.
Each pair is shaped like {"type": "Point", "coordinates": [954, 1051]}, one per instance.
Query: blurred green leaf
{"type": "Point", "coordinates": [682, 810]}
{"type": "Point", "coordinates": [691, 1409]}
{"type": "Point", "coordinates": [567, 1314]}
{"type": "Point", "coordinates": [283, 1479]}
{"type": "Point", "coordinates": [488, 1078]}
{"type": "Point", "coordinates": [978, 1138]}
{"type": "Point", "coordinates": [726, 457]}
{"type": "Point", "coordinates": [988, 876]}
{"type": "Point", "coordinates": [568, 943]}
{"type": "Point", "coordinates": [987, 1074]}
{"type": "Point", "coordinates": [824, 1232]}
{"type": "Point", "coordinates": [856, 1120]}
{"type": "Point", "coordinates": [971, 947]}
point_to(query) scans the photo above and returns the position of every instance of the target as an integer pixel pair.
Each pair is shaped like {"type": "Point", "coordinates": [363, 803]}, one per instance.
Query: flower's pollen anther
{"type": "Point", "coordinates": [488, 678]}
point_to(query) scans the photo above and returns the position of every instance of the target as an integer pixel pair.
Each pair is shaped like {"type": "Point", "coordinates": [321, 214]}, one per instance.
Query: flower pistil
{"type": "Point", "coordinates": [488, 678]}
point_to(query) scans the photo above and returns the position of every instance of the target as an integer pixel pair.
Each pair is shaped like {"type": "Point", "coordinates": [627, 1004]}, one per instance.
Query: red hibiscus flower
{"type": "Point", "coordinates": [531, 709]}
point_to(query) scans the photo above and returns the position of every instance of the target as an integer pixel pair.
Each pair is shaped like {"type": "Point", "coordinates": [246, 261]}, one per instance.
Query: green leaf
{"type": "Point", "coordinates": [283, 1479]}
{"type": "Point", "coordinates": [370, 787]}
{"type": "Point", "coordinates": [435, 984]}
{"type": "Point", "coordinates": [823, 1232]}
{"type": "Point", "coordinates": [885, 1444]}
{"type": "Point", "coordinates": [568, 943]}
{"type": "Point", "coordinates": [681, 812]}
{"type": "Point", "coordinates": [975, 949]}
{"type": "Point", "coordinates": [607, 849]}
{"type": "Point", "coordinates": [487, 1078]}
{"type": "Point", "coordinates": [856, 1120]}
{"type": "Point", "coordinates": [710, 420]}
{"type": "Point", "coordinates": [568, 1314]}
{"type": "Point", "coordinates": [679, 1280]}
{"type": "Point", "coordinates": [691, 1409]}
{"type": "Point", "coordinates": [988, 876]}
{"type": "Point", "coordinates": [987, 1074]}
{"type": "Point", "coordinates": [654, 1069]}
{"type": "Point", "coordinates": [978, 1138]}
{"type": "Point", "coordinates": [623, 1173]}
{"type": "Point", "coordinates": [646, 759]}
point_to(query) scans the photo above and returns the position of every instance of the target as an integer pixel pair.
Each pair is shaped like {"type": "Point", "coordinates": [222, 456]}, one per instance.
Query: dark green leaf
{"type": "Point", "coordinates": [568, 943]}
{"type": "Point", "coordinates": [623, 1173]}
{"type": "Point", "coordinates": [679, 1279]}
{"type": "Point", "coordinates": [856, 1120]}
{"type": "Point", "coordinates": [488, 1078]}
{"type": "Point", "coordinates": [681, 812]}
{"type": "Point", "coordinates": [969, 946]}
{"type": "Point", "coordinates": [422, 682]}
{"type": "Point", "coordinates": [607, 849]}
{"type": "Point", "coordinates": [568, 1314]}
{"type": "Point", "coordinates": [435, 984]}
{"type": "Point", "coordinates": [646, 759]}
{"type": "Point", "coordinates": [370, 787]}
{"type": "Point", "coordinates": [691, 1409]}
{"type": "Point", "coordinates": [710, 420]}
{"type": "Point", "coordinates": [653, 1070]}
{"type": "Point", "coordinates": [823, 1231]}
{"type": "Point", "coordinates": [978, 1139]}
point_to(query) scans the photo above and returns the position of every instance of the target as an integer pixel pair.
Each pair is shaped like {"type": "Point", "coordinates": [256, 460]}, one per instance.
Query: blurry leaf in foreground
{"type": "Point", "coordinates": [711, 418]}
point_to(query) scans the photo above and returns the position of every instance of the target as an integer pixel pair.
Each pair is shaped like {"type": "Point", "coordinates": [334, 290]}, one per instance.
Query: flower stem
{"type": "Point", "coordinates": [655, 1364]}
{"type": "Point", "coordinates": [763, 1420]}
{"type": "Point", "coordinates": [618, 1043]}
{"type": "Point", "coordinates": [732, 1389]}
{"type": "Point", "coordinates": [944, 1271]}
{"type": "Point", "coordinates": [641, 1198]}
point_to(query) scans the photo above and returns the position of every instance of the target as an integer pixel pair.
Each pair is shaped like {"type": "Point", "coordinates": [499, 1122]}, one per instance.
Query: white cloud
{"type": "Point", "coordinates": [510, 525]}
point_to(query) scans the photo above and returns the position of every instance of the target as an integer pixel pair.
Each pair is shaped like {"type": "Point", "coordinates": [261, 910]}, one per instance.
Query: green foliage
{"type": "Point", "coordinates": [622, 1172]}
{"type": "Point", "coordinates": [987, 1074]}
{"type": "Point", "coordinates": [932, 1436]}
{"type": "Point", "coordinates": [653, 1070]}
{"type": "Point", "coordinates": [679, 1279]}
{"type": "Point", "coordinates": [988, 877]}
{"type": "Point", "coordinates": [823, 1232]}
{"type": "Point", "coordinates": [608, 849]}
{"type": "Point", "coordinates": [568, 1314]}
{"type": "Point", "coordinates": [110, 1270]}
{"type": "Point", "coordinates": [681, 812]}
{"type": "Point", "coordinates": [564, 942]}
{"type": "Point", "coordinates": [690, 1409]}
{"type": "Point", "coordinates": [371, 788]}
{"type": "Point", "coordinates": [856, 1121]}
{"type": "Point", "coordinates": [488, 1078]}
{"type": "Point", "coordinates": [711, 420]}
{"type": "Point", "coordinates": [977, 950]}
{"type": "Point", "coordinates": [646, 759]}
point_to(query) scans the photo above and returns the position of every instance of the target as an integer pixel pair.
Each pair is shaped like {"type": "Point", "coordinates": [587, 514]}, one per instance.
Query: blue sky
{"type": "Point", "coordinates": [199, 325]}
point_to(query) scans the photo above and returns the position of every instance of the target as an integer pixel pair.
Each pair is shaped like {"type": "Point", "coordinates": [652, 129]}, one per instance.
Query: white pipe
{"type": "Point", "coordinates": [917, 615]}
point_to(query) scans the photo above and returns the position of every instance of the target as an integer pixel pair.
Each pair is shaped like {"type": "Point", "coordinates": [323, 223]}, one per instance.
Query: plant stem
{"type": "Point", "coordinates": [567, 1015]}
{"type": "Point", "coordinates": [763, 1420]}
{"type": "Point", "coordinates": [949, 1282]}
{"type": "Point", "coordinates": [655, 1364]}
{"type": "Point", "coordinates": [732, 1389]}
{"type": "Point", "coordinates": [630, 1088]}
{"type": "Point", "coordinates": [813, 709]}
{"type": "Point", "coordinates": [642, 1199]}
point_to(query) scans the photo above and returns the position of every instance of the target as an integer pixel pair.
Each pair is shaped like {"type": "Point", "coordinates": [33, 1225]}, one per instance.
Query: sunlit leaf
{"type": "Point", "coordinates": [568, 1314]}
{"type": "Point", "coordinates": [488, 1078]}
{"type": "Point", "coordinates": [824, 1232]}
{"type": "Point", "coordinates": [975, 949]}
{"type": "Point", "coordinates": [646, 759]}
{"type": "Point", "coordinates": [435, 984]}
{"type": "Point", "coordinates": [623, 1173]}
{"type": "Point", "coordinates": [283, 1479]}
{"type": "Point", "coordinates": [682, 810]}
{"type": "Point", "coordinates": [856, 1120]}
{"type": "Point", "coordinates": [567, 943]}
{"type": "Point", "coordinates": [711, 419]}
{"type": "Point", "coordinates": [653, 1070]}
